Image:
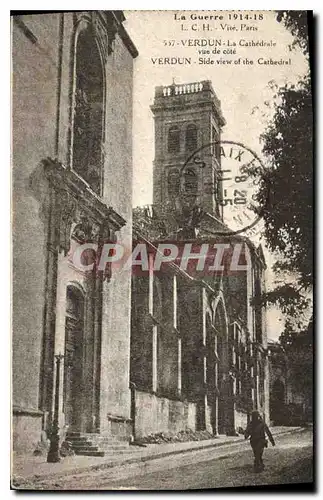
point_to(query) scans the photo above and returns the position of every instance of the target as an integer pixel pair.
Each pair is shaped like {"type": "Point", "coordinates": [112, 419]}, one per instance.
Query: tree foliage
{"type": "Point", "coordinates": [296, 21]}
{"type": "Point", "coordinates": [286, 187]}
{"type": "Point", "coordinates": [286, 196]}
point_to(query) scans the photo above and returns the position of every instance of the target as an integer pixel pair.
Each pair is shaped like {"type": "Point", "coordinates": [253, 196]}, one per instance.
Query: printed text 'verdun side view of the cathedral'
{"type": "Point", "coordinates": [142, 353]}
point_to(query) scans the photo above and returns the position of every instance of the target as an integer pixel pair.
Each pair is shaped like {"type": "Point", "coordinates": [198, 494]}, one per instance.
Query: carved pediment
{"type": "Point", "coordinates": [86, 231]}
{"type": "Point", "coordinates": [76, 211]}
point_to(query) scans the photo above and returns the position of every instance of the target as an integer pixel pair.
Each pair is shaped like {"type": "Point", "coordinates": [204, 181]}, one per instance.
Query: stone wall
{"type": "Point", "coordinates": [115, 395]}
{"type": "Point", "coordinates": [34, 108]}
{"type": "Point", "coordinates": [158, 414]}
{"type": "Point", "coordinates": [26, 430]}
{"type": "Point", "coordinates": [240, 420]}
{"type": "Point", "coordinates": [43, 65]}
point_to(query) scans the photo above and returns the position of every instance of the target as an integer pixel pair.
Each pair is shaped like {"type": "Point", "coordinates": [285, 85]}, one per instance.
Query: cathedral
{"type": "Point", "coordinates": [120, 355]}
{"type": "Point", "coordinates": [198, 342]}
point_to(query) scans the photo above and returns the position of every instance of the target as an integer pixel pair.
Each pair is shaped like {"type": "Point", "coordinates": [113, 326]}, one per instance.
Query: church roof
{"type": "Point", "coordinates": [158, 224]}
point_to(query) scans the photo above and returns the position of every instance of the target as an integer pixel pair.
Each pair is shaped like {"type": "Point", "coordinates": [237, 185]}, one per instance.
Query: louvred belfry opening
{"type": "Point", "coordinates": [174, 140]}
{"type": "Point", "coordinates": [191, 138]}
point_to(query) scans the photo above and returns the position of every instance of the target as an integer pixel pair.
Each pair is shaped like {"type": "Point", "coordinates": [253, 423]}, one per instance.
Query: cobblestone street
{"type": "Point", "coordinates": [289, 462]}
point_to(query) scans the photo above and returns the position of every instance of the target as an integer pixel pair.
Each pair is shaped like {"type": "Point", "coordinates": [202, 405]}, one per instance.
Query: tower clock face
{"type": "Point", "coordinates": [234, 185]}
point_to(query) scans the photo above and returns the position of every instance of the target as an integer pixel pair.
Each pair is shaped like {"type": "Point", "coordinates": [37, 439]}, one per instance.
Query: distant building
{"type": "Point", "coordinates": [72, 182]}
{"type": "Point", "coordinates": [278, 369]}
{"type": "Point", "coordinates": [289, 403]}
{"type": "Point", "coordinates": [198, 345]}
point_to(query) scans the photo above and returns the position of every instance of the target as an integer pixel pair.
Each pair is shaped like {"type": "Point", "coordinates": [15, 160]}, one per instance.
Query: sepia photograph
{"type": "Point", "coordinates": [162, 250]}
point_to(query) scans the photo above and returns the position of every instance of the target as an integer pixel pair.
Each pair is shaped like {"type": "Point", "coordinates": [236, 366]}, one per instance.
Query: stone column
{"type": "Point", "coordinates": [257, 378]}
{"type": "Point", "coordinates": [91, 355]}
{"type": "Point", "coordinates": [96, 368]}
{"type": "Point", "coordinates": [228, 383]}
{"type": "Point", "coordinates": [47, 359]}
{"type": "Point", "coordinates": [179, 339]}
{"type": "Point", "coordinates": [252, 375]}
{"type": "Point", "coordinates": [154, 327]}
{"type": "Point", "coordinates": [251, 322]}
{"type": "Point", "coordinates": [204, 397]}
{"type": "Point", "coordinates": [266, 389]}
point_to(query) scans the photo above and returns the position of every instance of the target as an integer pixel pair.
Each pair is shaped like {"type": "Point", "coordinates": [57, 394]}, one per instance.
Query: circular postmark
{"type": "Point", "coordinates": [222, 178]}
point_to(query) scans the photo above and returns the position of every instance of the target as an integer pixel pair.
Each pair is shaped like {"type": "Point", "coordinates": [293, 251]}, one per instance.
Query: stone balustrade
{"type": "Point", "coordinates": [187, 88]}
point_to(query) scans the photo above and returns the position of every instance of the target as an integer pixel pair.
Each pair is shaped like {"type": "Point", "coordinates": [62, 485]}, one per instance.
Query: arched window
{"type": "Point", "coordinates": [190, 182]}
{"type": "Point", "coordinates": [88, 113]}
{"type": "Point", "coordinates": [173, 183]}
{"type": "Point", "coordinates": [174, 140]}
{"type": "Point", "coordinates": [191, 138]}
{"type": "Point", "coordinates": [74, 303]}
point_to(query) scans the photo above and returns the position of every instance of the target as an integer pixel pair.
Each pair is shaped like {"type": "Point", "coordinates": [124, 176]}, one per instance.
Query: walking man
{"type": "Point", "coordinates": [257, 430]}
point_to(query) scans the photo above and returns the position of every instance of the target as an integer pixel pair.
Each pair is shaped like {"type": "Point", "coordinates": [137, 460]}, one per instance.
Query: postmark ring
{"type": "Point", "coordinates": [232, 143]}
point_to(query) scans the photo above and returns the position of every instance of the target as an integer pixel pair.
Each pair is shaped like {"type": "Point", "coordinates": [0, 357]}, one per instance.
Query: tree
{"type": "Point", "coordinates": [286, 187]}
{"type": "Point", "coordinates": [296, 21]}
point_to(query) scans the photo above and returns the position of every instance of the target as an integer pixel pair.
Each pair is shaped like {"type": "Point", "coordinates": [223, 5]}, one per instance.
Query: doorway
{"type": "Point", "coordinates": [73, 360]}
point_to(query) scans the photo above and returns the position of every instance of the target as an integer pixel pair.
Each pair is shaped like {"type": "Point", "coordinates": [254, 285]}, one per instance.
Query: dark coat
{"type": "Point", "coordinates": [257, 432]}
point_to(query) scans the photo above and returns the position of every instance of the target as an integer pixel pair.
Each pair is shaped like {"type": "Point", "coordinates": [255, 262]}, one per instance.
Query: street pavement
{"type": "Point", "coordinates": [290, 461]}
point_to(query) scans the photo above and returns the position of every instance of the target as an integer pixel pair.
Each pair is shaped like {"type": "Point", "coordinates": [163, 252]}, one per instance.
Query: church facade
{"type": "Point", "coordinates": [72, 182]}
{"type": "Point", "coordinates": [198, 341]}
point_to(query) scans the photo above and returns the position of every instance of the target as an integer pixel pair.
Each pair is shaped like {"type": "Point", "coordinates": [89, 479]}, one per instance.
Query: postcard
{"type": "Point", "coordinates": [162, 250]}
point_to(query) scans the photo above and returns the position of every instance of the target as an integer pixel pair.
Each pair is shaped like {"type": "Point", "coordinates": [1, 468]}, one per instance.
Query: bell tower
{"type": "Point", "coordinates": [188, 120]}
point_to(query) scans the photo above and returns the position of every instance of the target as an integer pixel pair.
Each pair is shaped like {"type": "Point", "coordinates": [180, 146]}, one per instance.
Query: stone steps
{"type": "Point", "coordinates": [90, 453]}
{"type": "Point", "coordinates": [96, 445]}
{"type": "Point", "coordinates": [83, 446]}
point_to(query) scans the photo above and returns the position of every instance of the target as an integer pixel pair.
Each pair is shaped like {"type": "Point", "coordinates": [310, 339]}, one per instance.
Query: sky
{"type": "Point", "coordinates": [246, 98]}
